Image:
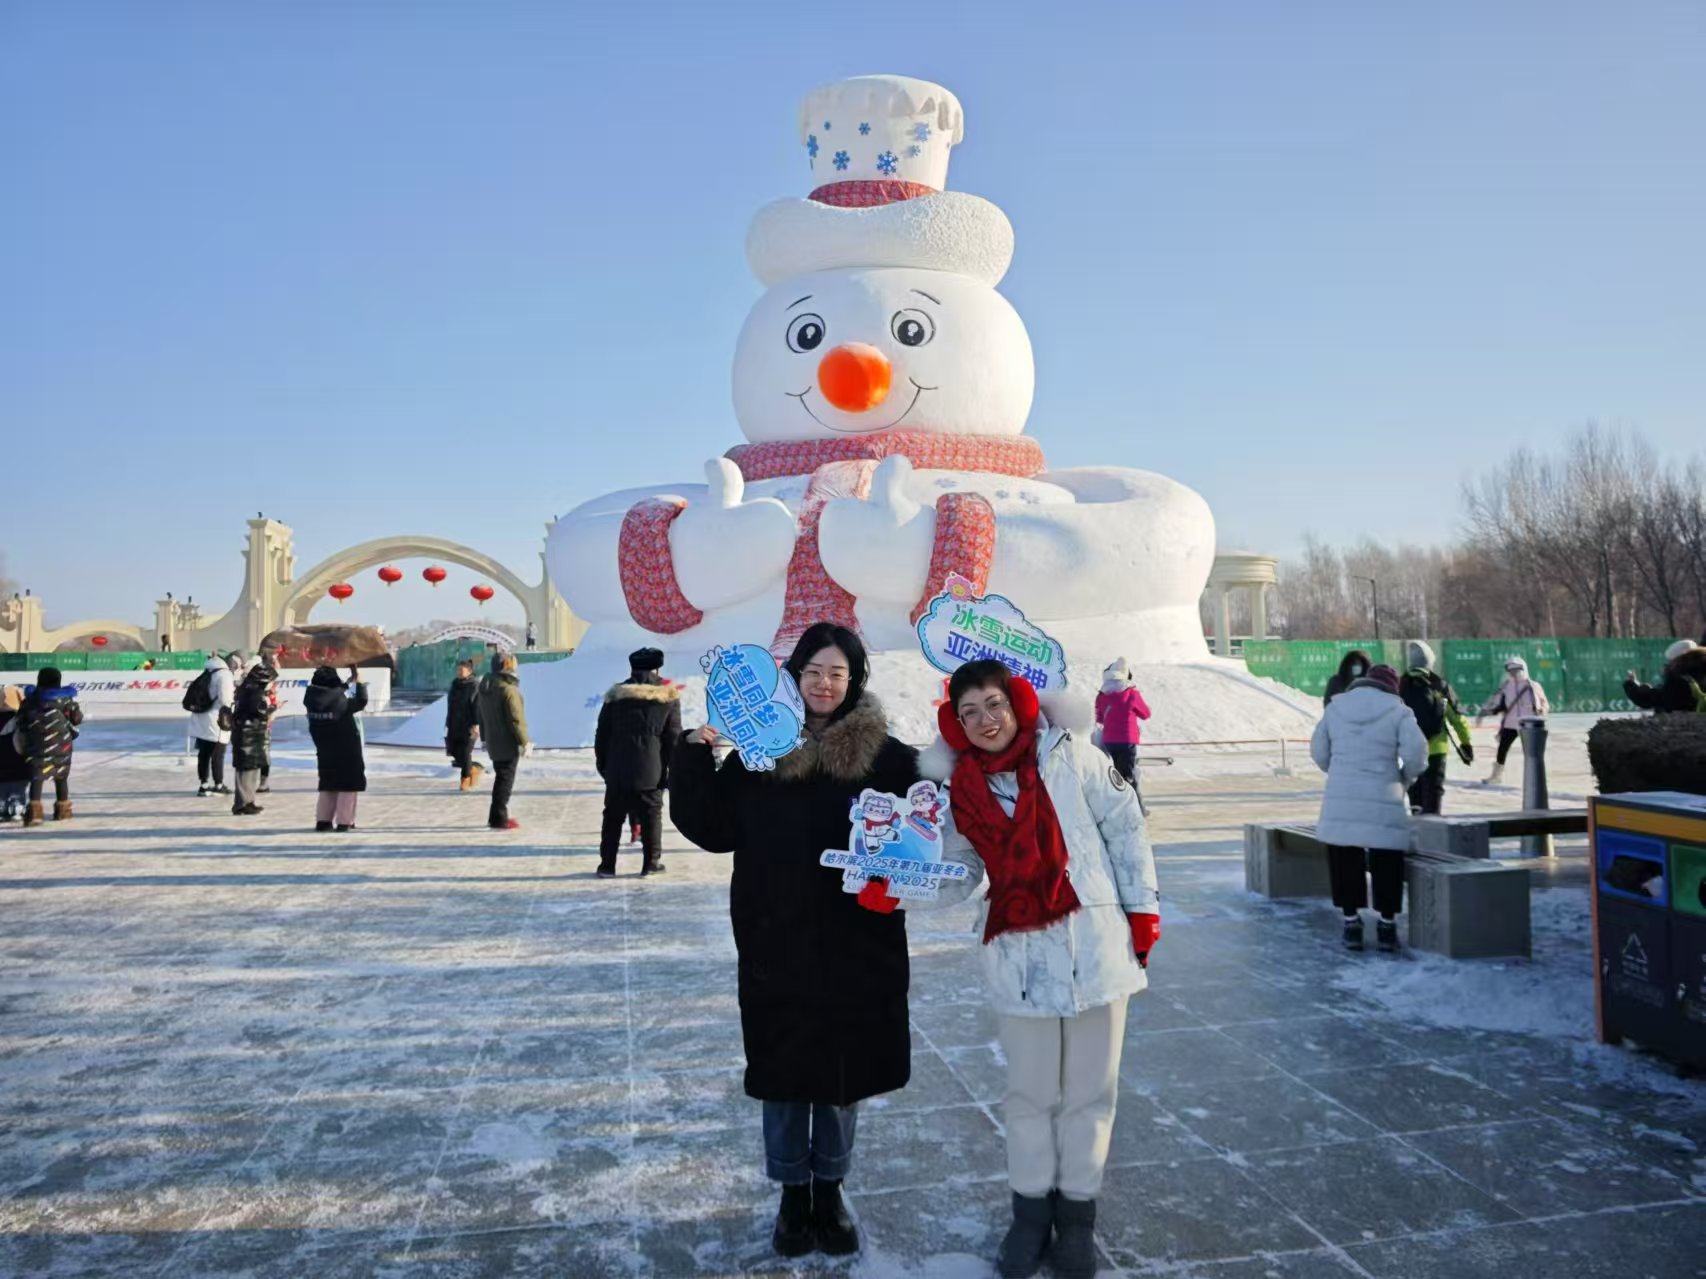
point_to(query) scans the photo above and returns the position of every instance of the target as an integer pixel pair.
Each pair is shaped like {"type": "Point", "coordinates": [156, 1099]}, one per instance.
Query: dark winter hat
{"type": "Point", "coordinates": [645, 659]}
{"type": "Point", "coordinates": [1384, 676]}
{"type": "Point", "coordinates": [326, 677]}
{"type": "Point", "coordinates": [49, 678]}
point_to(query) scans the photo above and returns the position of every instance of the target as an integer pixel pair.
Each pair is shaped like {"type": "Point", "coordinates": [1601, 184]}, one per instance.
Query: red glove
{"type": "Point", "coordinates": [1145, 932]}
{"type": "Point", "coordinates": [875, 896]}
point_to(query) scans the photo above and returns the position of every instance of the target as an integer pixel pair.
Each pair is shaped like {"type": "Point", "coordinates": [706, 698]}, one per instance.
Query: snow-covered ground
{"type": "Point", "coordinates": [236, 1047]}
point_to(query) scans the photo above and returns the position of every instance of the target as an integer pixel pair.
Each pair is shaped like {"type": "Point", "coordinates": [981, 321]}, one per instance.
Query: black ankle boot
{"type": "Point", "coordinates": [322, 826]}
{"type": "Point", "coordinates": [794, 1236]}
{"type": "Point", "coordinates": [1353, 932]}
{"type": "Point", "coordinates": [835, 1234]}
{"type": "Point", "coordinates": [1074, 1238]}
{"type": "Point", "coordinates": [1027, 1238]}
{"type": "Point", "coordinates": [1386, 934]}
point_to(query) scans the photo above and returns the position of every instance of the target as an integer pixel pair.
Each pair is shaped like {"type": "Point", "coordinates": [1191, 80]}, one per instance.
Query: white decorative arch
{"type": "Point", "coordinates": [471, 630]}
{"type": "Point", "coordinates": [310, 588]}
{"type": "Point", "coordinates": [51, 640]}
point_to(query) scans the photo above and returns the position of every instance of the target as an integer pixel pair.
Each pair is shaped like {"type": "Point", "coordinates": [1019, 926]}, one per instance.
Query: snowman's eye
{"type": "Point", "coordinates": [805, 332]}
{"type": "Point", "coordinates": [912, 328]}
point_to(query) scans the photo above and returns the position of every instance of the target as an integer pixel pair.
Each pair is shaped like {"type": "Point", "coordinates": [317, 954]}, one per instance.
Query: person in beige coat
{"type": "Point", "coordinates": [1072, 912]}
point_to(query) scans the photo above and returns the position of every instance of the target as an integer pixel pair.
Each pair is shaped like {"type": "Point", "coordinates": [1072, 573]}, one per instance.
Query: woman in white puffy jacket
{"type": "Point", "coordinates": [1518, 698]}
{"type": "Point", "coordinates": [1071, 914]}
{"type": "Point", "coordinates": [1371, 748]}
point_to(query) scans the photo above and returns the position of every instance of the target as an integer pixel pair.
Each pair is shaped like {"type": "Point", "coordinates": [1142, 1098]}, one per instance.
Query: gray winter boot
{"type": "Point", "coordinates": [1074, 1238]}
{"type": "Point", "coordinates": [1027, 1238]}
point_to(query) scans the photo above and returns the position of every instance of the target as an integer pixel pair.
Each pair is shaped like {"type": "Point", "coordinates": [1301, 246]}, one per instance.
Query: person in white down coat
{"type": "Point", "coordinates": [1518, 698]}
{"type": "Point", "coordinates": [1371, 748]}
{"type": "Point", "coordinates": [1071, 915]}
{"type": "Point", "coordinates": [205, 726]}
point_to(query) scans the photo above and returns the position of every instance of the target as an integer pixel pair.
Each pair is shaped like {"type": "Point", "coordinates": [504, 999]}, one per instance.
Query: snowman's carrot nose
{"type": "Point", "coordinates": [854, 377]}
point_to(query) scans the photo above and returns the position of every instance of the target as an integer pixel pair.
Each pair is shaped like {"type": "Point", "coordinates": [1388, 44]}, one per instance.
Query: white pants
{"type": "Point", "coordinates": [1063, 1076]}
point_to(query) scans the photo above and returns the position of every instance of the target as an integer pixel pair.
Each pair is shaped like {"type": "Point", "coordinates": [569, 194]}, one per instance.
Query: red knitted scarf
{"type": "Point", "coordinates": [1025, 854]}
{"type": "Point", "coordinates": [1001, 454]}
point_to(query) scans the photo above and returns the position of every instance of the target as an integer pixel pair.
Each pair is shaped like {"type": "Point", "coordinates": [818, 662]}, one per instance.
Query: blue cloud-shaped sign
{"type": "Point", "coordinates": [753, 703]}
{"type": "Point", "coordinates": [960, 627]}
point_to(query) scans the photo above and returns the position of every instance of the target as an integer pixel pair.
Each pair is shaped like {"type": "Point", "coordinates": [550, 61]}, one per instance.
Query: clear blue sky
{"type": "Point", "coordinates": [454, 267]}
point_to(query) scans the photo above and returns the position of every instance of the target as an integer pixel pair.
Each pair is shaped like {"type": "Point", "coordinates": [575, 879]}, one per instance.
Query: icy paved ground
{"type": "Point", "coordinates": [241, 1048]}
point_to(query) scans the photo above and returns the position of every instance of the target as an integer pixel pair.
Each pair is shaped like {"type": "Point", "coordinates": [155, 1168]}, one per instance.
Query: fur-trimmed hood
{"type": "Point", "coordinates": [847, 750]}
{"type": "Point", "coordinates": [1059, 712]}
{"type": "Point", "coordinates": [1690, 664]}
{"type": "Point", "coordinates": [643, 693]}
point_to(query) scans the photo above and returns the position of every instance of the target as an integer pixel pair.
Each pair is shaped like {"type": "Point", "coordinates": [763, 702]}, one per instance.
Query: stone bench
{"type": "Point", "coordinates": [1472, 834]}
{"type": "Point", "coordinates": [1461, 907]}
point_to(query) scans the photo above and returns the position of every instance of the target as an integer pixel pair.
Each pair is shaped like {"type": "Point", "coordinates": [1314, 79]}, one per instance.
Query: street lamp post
{"type": "Point", "coordinates": [1374, 591]}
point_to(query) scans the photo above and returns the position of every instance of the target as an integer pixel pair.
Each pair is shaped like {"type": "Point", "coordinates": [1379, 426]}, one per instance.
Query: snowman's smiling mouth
{"type": "Point", "coordinates": [862, 428]}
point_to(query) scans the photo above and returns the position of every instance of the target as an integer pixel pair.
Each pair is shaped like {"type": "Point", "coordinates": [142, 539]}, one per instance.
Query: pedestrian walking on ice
{"type": "Point", "coordinates": [1120, 712]}
{"type": "Point", "coordinates": [251, 736]}
{"type": "Point", "coordinates": [1434, 704]}
{"type": "Point", "coordinates": [46, 732]}
{"type": "Point", "coordinates": [209, 700]}
{"type": "Point", "coordinates": [1520, 697]}
{"type": "Point", "coordinates": [462, 723]}
{"type": "Point", "coordinates": [503, 726]}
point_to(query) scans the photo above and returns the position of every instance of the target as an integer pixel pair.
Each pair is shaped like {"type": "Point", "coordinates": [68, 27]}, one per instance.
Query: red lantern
{"type": "Point", "coordinates": [99, 641]}
{"type": "Point", "coordinates": [390, 575]}
{"type": "Point", "coordinates": [481, 593]}
{"type": "Point", "coordinates": [340, 591]}
{"type": "Point", "coordinates": [435, 574]}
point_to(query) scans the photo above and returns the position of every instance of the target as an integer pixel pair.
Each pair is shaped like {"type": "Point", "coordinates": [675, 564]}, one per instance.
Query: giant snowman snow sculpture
{"type": "Point", "coordinates": [883, 386]}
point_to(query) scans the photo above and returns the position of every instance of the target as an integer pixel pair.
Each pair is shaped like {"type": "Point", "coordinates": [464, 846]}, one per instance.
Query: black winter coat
{"type": "Point", "coordinates": [822, 980]}
{"type": "Point", "coordinates": [337, 737]}
{"type": "Point", "coordinates": [1673, 694]}
{"type": "Point", "coordinates": [13, 766]}
{"type": "Point", "coordinates": [251, 722]}
{"type": "Point", "coordinates": [48, 719]}
{"type": "Point", "coordinates": [461, 712]}
{"type": "Point", "coordinates": [638, 727]}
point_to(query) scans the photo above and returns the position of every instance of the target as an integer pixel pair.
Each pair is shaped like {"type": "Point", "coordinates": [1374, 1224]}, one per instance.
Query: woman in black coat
{"type": "Point", "coordinates": [823, 974]}
{"type": "Point", "coordinates": [337, 745]}
{"type": "Point", "coordinates": [251, 727]}
{"type": "Point", "coordinates": [462, 723]}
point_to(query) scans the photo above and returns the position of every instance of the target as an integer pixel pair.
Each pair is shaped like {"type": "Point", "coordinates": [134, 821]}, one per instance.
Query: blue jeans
{"type": "Point", "coordinates": [803, 1140]}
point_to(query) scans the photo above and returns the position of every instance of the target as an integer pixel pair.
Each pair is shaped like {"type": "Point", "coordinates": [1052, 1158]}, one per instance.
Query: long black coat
{"type": "Point", "coordinates": [1674, 694]}
{"type": "Point", "coordinates": [822, 981]}
{"type": "Point", "coordinates": [251, 719]}
{"type": "Point", "coordinates": [337, 737]}
{"type": "Point", "coordinates": [461, 713]}
{"type": "Point", "coordinates": [638, 727]}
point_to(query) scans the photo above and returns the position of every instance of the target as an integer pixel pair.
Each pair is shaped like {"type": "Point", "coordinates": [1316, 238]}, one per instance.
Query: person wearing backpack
{"type": "Point", "coordinates": [1518, 698]}
{"type": "Point", "coordinates": [251, 729]}
{"type": "Point", "coordinates": [1434, 704]}
{"type": "Point", "coordinates": [1683, 688]}
{"type": "Point", "coordinates": [209, 699]}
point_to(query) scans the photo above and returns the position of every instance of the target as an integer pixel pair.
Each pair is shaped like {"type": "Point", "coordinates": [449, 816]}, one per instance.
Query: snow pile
{"type": "Point", "coordinates": [1211, 700]}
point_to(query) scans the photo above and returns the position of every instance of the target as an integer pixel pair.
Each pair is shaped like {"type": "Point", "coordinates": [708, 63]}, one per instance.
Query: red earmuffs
{"type": "Point", "coordinates": [1025, 710]}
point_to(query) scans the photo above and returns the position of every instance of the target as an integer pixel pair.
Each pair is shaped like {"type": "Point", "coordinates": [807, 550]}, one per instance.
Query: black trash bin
{"type": "Point", "coordinates": [1634, 927]}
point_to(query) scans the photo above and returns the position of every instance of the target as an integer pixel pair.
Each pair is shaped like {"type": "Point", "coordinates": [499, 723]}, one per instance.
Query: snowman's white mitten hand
{"type": "Point", "coordinates": [879, 549]}
{"type": "Point", "coordinates": [726, 549]}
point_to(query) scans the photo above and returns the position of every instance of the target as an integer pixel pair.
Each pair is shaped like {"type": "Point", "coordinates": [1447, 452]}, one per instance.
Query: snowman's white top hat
{"type": "Point", "coordinates": [878, 152]}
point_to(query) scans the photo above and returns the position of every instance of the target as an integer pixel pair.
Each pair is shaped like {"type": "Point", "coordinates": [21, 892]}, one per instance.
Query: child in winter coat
{"type": "Point", "coordinates": [1120, 709]}
{"type": "Point", "coordinates": [332, 724]}
{"type": "Point", "coordinates": [1371, 748]}
{"type": "Point", "coordinates": [1518, 698]}
{"type": "Point", "coordinates": [251, 736]}
{"type": "Point", "coordinates": [1071, 916]}
{"type": "Point", "coordinates": [47, 727]}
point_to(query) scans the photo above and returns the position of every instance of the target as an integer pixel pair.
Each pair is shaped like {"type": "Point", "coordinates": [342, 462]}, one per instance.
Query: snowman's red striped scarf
{"type": "Point", "coordinates": [840, 467]}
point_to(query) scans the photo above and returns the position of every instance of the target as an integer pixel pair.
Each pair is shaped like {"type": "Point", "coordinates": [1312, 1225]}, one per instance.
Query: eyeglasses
{"type": "Point", "coordinates": [992, 711]}
{"type": "Point", "coordinates": [818, 675]}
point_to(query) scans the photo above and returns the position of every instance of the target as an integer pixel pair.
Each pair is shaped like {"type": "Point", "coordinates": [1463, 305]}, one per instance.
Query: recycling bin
{"type": "Point", "coordinates": [1649, 921]}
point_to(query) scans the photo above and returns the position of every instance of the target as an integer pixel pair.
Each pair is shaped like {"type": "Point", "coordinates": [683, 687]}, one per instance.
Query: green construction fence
{"type": "Point", "coordinates": [193, 660]}
{"type": "Point", "coordinates": [432, 667]}
{"type": "Point", "coordinates": [1577, 674]}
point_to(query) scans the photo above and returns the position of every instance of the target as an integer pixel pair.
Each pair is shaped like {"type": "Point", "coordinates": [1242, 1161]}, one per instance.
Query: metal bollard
{"type": "Point", "coordinates": [1534, 794]}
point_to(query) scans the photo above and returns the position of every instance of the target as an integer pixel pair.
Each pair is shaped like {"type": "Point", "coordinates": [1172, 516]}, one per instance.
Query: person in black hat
{"type": "Point", "coordinates": [638, 726]}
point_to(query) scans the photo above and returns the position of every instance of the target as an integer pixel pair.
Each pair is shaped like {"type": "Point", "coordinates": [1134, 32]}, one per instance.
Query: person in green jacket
{"type": "Point", "coordinates": [1434, 703]}
{"type": "Point", "coordinates": [503, 726]}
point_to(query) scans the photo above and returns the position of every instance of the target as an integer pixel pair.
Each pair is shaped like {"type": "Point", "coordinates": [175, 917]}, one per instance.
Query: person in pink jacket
{"type": "Point", "coordinates": [1120, 710]}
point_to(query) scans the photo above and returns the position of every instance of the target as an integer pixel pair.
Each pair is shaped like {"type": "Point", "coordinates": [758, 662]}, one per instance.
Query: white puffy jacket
{"type": "Point", "coordinates": [1370, 747]}
{"type": "Point", "coordinates": [1518, 698]}
{"type": "Point", "coordinates": [205, 724]}
{"type": "Point", "coordinates": [1086, 959]}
